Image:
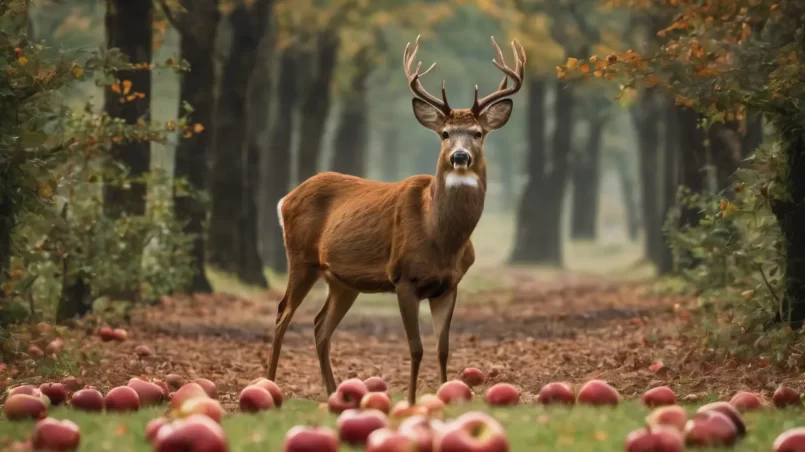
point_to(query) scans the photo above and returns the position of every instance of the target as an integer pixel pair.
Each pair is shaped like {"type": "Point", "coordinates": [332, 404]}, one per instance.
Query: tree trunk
{"type": "Point", "coordinates": [390, 159]}
{"type": "Point", "coordinates": [316, 105]}
{"type": "Point", "coordinates": [351, 137]}
{"type": "Point", "coordinates": [646, 120]}
{"type": "Point", "coordinates": [727, 153]}
{"type": "Point", "coordinates": [276, 163]}
{"type": "Point", "coordinates": [248, 23]}
{"type": "Point", "coordinates": [670, 177]}
{"type": "Point", "coordinates": [585, 185]}
{"type": "Point", "coordinates": [628, 195]}
{"type": "Point", "coordinates": [693, 155]}
{"type": "Point", "coordinates": [6, 225]}
{"type": "Point", "coordinates": [198, 30]}
{"type": "Point", "coordinates": [753, 135]}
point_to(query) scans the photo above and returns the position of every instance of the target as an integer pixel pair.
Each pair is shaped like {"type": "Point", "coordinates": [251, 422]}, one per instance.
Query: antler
{"type": "Point", "coordinates": [416, 86]}
{"type": "Point", "coordinates": [516, 75]}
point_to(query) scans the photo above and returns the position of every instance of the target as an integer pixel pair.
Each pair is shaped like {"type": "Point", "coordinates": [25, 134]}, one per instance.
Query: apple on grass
{"type": "Point", "coordinates": [421, 429]}
{"type": "Point", "coordinates": [354, 426]}
{"type": "Point", "coordinates": [403, 409]}
{"type": "Point", "coordinates": [598, 392]}
{"type": "Point", "coordinates": [23, 406]}
{"type": "Point", "coordinates": [204, 406]}
{"type": "Point", "coordinates": [376, 384]}
{"type": "Point", "coordinates": [786, 396]}
{"type": "Point", "coordinates": [56, 392]}
{"type": "Point", "coordinates": [792, 440]}
{"type": "Point", "coordinates": [310, 439]}
{"type": "Point", "coordinates": [433, 404]}
{"type": "Point", "coordinates": [122, 398]}
{"type": "Point", "coordinates": [556, 392]}
{"type": "Point", "coordinates": [208, 387]}
{"type": "Point", "coordinates": [709, 429]}
{"type": "Point", "coordinates": [657, 438]}
{"type": "Point", "coordinates": [271, 387]}
{"type": "Point", "coordinates": [659, 396]}
{"type": "Point", "coordinates": [746, 401]}
{"type": "Point", "coordinates": [347, 396]}
{"type": "Point", "coordinates": [454, 391]}
{"type": "Point", "coordinates": [254, 399]}
{"type": "Point", "coordinates": [87, 400]}
{"type": "Point", "coordinates": [727, 410]}
{"type": "Point", "coordinates": [195, 433]}
{"type": "Point", "coordinates": [473, 431]}
{"type": "Point", "coordinates": [502, 394]}
{"type": "Point", "coordinates": [387, 440]}
{"type": "Point", "coordinates": [174, 381]}
{"type": "Point", "coordinates": [150, 393]}
{"type": "Point", "coordinates": [187, 392]}
{"type": "Point", "coordinates": [153, 426]}
{"type": "Point", "coordinates": [670, 416]}
{"type": "Point", "coordinates": [472, 376]}
{"type": "Point", "coordinates": [56, 435]}
{"type": "Point", "coordinates": [377, 401]}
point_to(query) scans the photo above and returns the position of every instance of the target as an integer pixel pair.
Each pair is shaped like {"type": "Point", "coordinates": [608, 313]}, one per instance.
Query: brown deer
{"type": "Point", "coordinates": [410, 237]}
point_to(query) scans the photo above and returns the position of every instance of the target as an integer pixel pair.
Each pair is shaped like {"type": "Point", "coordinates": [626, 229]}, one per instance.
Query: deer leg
{"type": "Point", "coordinates": [339, 300]}
{"type": "Point", "coordinates": [409, 311]}
{"type": "Point", "coordinates": [441, 310]}
{"type": "Point", "coordinates": [300, 280]}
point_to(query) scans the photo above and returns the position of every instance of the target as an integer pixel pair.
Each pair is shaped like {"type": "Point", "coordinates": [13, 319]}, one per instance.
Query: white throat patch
{"type": "Point", "coordinates": [454, 179]}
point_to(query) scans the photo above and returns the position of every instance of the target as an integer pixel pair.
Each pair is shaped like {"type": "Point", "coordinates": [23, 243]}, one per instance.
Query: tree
{"type": "Point", "coordinates": [586, 178]}
{"type": "Point", "coordinates": [352, 135]}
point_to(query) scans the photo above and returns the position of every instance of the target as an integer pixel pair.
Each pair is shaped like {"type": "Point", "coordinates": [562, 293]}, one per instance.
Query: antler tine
{"type": "Point", "coordinates": [516, 75]}
{"type": "Point", "coordinates": [414, 83]}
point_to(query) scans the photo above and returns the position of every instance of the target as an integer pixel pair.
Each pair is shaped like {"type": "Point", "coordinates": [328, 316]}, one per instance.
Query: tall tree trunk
{"type": "Point", "coordinates": [726, 151]}
{"type": "Point", "coordinates": [693, 155]}
{"type": "Point", "coordinates": [7, 215]}
{"type": "Point", "coordinates": [526, 240]}
{"type": "Point", "coordinates": [390, 160]}
{"type": "Point", "coordinates": [753, 135]}
{"type": "Point", "coordinates": [276, 163]}
{"type": "Point", "coordinates": [628, 195]}
{"type": "Point", "coordinates": [586, 179]}
{"type": "Point", "coordinates": [670, 178]}
{"type": "Point", "coordinates": [198, 29]}
{"type": "Point", "coordinates": [316, 105]}
{"type": "Point", "coordinates": [351, 137]}
{"type": "Point", "coordinates": [248, 22]}
{"type": "Point", "coordinates": [646, 120]}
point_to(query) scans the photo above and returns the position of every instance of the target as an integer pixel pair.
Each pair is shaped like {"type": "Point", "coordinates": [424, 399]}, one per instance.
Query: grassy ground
{"type": "Point", "coordinates": [529, 427]}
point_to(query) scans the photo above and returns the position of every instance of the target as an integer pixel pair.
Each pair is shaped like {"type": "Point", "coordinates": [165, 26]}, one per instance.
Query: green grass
{"type": "Point", "coordinates": [529, 427]}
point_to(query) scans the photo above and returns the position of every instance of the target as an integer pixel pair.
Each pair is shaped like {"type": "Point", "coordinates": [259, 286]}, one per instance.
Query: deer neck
{"type": "Point", "coordinates": [456, 206]}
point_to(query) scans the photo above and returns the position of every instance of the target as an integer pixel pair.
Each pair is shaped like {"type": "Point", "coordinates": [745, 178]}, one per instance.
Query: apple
{"type": "Point", "coordinates": [162, 386]}
{"type": "Point", "coordinates": [792, 440]}
{"type": "Point", "coordinates": [107, 334]}
{"type": "Point", "coordinates": [308, 439]}
{"type": "Point", "coordinates": [56, 392]}
{"type": "Point", "coordinates": [659, 396]}
{"type": "Point", "coordinates": [143, 351]}
{"type": "Point", "coordinates": [204, 406]}
{"type": "Point", "coordinates": [403, 409]}
{"type": "Point", "coordinates": [387, 440]}
{"type": "Point", "coordinates": [556, 392]}
{"type": "Point", "coordinates": [727, 410]}
{"type": "Point", "coordinates": [254, 399]}
{"type": "Point", "coordinates": [377, 401]}
{"type": "Point", "coordinates": [376, 384]}
{"type": "Point", "coordinates": [120, 334]}
{"type": "Point", "coordinates": [669, 415]}
{"type": "Point", "coordinates": [471, 432]}
{"type": "Point", "coordinates": [149, 393]}
{"type": "Point", "coordinates": [786, 396]}
{"type": "Point", "coordinates": [354, 426]}
{"type": "Point", "coordinates": [153, 426]}
{"type": "Point", "coordinates": [421, 429]}
{"type": "Point", "coordinates": [187, 392]}
{"type": "Point", "coordinates": [24, 406]}
{"type": "Point", "coordinates": [655, 439]}
{"type": "Point", "coordinates": [347, 396]}
{"type": "Point", "coordinates": [54, 347]}
{"type": "Point", "coordinates": [710, 428]}
{"type": "Point", "coordinates": [746, 401]}
{"type": "Point", "coordinates": [56, 435]}
{"type": "Point", "coordinates": [208, 386]}
{"type": "Point", "coordinates": [24, 389]}
{"type": "Point", "coordinates": [432, 403]}
{"type": "Point", "coordinates": [502, 394]}
{"type": "Point", "coordinates": [271, 387]}
{"type": "Point", "coordinates": [122, 398]}
{"type": "Point", "coordinates": [174, 381]}
{"type": "Point", "coordinates": [598, 392]}
{"type": "Point", "coordinates": [34, 351]}
{"type": "Point", "coordinates": [473, 376]}
{"type": "Point", "coordinates": [195, 433]}
{"type": "Point", "coordinates": [87, 400]}
{"type": "Point", "coordinates": [72, 383]}
{"type": "Point", "coordinates": [454, 391]}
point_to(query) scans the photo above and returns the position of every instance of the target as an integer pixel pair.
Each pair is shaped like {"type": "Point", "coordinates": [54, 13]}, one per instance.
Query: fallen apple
{"type": "Point", "coordinates": [432, 403]}
{"type": "Point", "coordinates": [454, 391]}
{"type": "Point", "coordinates": [502, 394]}
{"type": "Point", "coordinates": [670, 415]}
{"type": "Point", "coordinates": [55, 435]}
{"type": "Point", "coordinates": [472, 376]}
{"type": "Point", "coordinates": [107, 334]}
{"type": "Point", "coordinates": [420, 429]}
{"type": "Point", "coordinates": [792, 440]}
{"type": "Point", "coordinates": [310, 439]}
{"type": "Point", "coordinates": [163, 386]}
{"type": "Point", "coordinates": [208, 386]}
{"type": "Point", "coordinates": [786, 396]}
{"type": "Point", "coordinates": [376, 401]}
{"type": "Point", "coordinates": [195, 433]}
{"type": "Point", "coordinates": [403, 409]}
{"type": "Point", "coordinates": [54, 347]}
{"type": "Point", "coordinates": [556, 392]}
{"type": "Point", "coordinates": [153, 426]}
{"type": "Point", "coordinates": [387, 440]}
{"type": "Point", "coordinates": [23, 406]}
{"type": "Point", "coordinates": [143, 351]}
{"type": "Point", "coordinates": [709, 429]}
{"type": "Point", "coordinates": [472, 431]}
{"type": "Point", "coordinates": [149, 393]}
{"type": "Point", "coordinates": [727, 410]}
{"type": "Point", "coordinates": [655, 439]}
{"type": "Point", "coordinates": [87, 400]}
{"type": "Point", "coordinates": [24, 389]}
{"type": "Point", "coordinates": [354, 426]}
{"type": "Point", "coordinates": [174, 381]}
{"type": "Point", "coordinates": [347, 396]}
{"type": "Point", "coordinates": [598, 392]}
{"type": "Point", "coordinates": [120, 334]}
{"type": "Point", "coordinates": [254, 399]}
{"type": "Point", "coordinates": [659, 396]}
{"type": "Point", "coordinates": [204, 406]}
{"type": "Point", "coordinates": [272, 388]}
{"type": "Point", "coordinates": [34, 351]}
{"type": "Point", "coordinates": [56, 392]}
{"type": "Point", "coordinates": [746, 401]}
{"type": "Point", "coordinates": [376, 384]}
{"type": "Point", "coordinates": [186, 392]}
{"type": "Point", "coordinates": [122, 398]}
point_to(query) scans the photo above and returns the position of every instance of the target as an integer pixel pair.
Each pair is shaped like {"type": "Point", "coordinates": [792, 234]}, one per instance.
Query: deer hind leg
{"type": "Point", "coordinates": [300, 280]}
{"type": "Point", "coordinates": [409, 311]}
{"type": "Point", "coordinates": [441, 310]}
{"type": "Point", "coordinates": [339, 300]}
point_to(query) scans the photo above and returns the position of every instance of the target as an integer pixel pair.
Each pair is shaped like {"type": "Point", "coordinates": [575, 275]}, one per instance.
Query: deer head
{"type": "Point", "coordinates": [463, 131]}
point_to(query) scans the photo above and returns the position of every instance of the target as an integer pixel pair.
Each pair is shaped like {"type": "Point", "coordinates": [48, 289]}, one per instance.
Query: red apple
{"type": "Point", "coordinates": [186, 392]}
{"type": "Point", "coordinates": [162, 386]}
{"type": "Point", "coordinates": [655, 439]}
{"type": "Point", "coordinates": [792, 440]}
{"type": "Point", "coordinates": [272, 388]}
{"type": "Point", "coordinates": [354, 426]}
{"type": "Point", "coordinates": [472, 432]}
{"type": "Point", "coordinates": [54, 347]}
{"type": "Point", "coordinates": [403, 409]}
{"type": "Point", "coordinates": [598, 392]}
{"type": "Point", "coordinates": [153, 426]}
{"type": "Point", "coordinates": [310, 439]}
{"type": "Point", "coordinates": [204, 406]}
{"type": "Point", "coordinates": [107, 334]}
{"type": "Point", "coordinates": [208, 386]}
{"type": "Point", "coordinates": [24, 406]}
{"type": "Point", "coordinates": [377, 401]}
{"type": "Point", "coordinates": [746, 401]}
{"type": "Point", "coordinates": [420, 429]}
{"type": "Point", "coordinates": [659, 396]}
{"type": "Point", "coordinates": [143, 351]}
{"type": "Point", "coordinates": [710, 428]}
{"type": "Point", "coordinates": [556, 392]}
{"type": "Point", "coordinates": [55, 435]}
{"type": "Point", "coordinates": [254, 399]}
{"type": "Point", "coordinates": [34, 351]}
{"type": "Point", "coordinates": [120, 334]}
{"type": "Point", "coordinates": [432, 403]}
{"type": "Point", "coordinates": [149, 393]}
{"type": "Point", "coordinates": [387, 440]}
{"type": "Point", "coordinates": [174, 381]}
{"type": "Point", "coordinates": [454, 391]}
{"type": "Point", "coordinates": [24, 389]}
{"type": "Point", "coordinates": [195, 433]}
{"type": "Point", "coordinates": [122, 398]}
{"type": "Point", "coordinates": [670, 415]}
{"type": "Point", "coordinates": [347, 396]}
{"type": "Point", "coordinates": [502, 394]}
{"type": "Point", "coordinates": [376, 384]}
{"type": "Point", "coordinates": [786, 396]}
{"type": "Point", "coordinates": [727, 410]}
{"type": "Point", "coordinates": [473, 376]}
{"type": "Point", "coordinates": [56, 392]}
{"type": "Point", "coordinates": [87, 400]}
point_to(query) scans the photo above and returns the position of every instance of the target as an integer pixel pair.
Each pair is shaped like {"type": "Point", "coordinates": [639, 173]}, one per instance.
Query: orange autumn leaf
{"type": "Point", "coordinates": [131, 97]}
{"type": "Point", "coordinates": [126, 86]}
{"type": "Point", "coordinates": [585, 68]}
{"type": "Point", "coordinates": [198, 128]}
{"type": "Point", "coordinates": [115, 87]}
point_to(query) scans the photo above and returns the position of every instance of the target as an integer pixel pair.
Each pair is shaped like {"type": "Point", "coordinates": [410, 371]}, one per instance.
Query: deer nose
{"type": "Point", "coordinates": [460, 158]}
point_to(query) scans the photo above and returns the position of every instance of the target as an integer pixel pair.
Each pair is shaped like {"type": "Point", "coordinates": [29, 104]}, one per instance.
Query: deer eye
{"type": "Point", "coordinates": [445, 135]}
{"type": "Point", "coordinates": [478, 134]}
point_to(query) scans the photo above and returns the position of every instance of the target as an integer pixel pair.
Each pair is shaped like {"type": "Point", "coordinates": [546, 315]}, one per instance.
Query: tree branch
{"type": "Point", "coordinates": [172, 19]}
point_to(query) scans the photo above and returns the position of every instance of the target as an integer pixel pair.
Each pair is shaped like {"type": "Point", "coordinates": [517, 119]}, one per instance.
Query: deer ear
{"type": "Point", "coordinates": [496, 115]}
{"type": "Point", "coordinates": [428, 115]}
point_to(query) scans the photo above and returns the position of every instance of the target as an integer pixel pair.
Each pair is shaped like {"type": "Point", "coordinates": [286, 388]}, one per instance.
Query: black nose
{"type": "Point", "coordinates": [461, 158]}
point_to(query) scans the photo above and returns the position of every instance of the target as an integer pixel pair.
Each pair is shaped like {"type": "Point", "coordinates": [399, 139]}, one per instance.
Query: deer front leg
{"type": "Point", "coordinates": [409, 311]}
{"type": "Point", "coordinates": [441, 310]}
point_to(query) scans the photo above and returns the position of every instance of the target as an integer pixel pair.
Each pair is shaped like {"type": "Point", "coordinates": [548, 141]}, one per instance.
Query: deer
{"type": "Point", "coordinates": [410, 238]}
